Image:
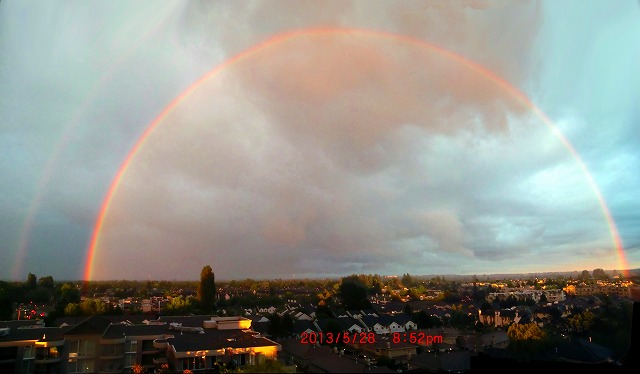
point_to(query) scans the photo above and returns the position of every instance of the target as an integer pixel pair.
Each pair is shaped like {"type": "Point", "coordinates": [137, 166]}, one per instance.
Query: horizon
{"type": "Point", "coordinates": [632, 272]}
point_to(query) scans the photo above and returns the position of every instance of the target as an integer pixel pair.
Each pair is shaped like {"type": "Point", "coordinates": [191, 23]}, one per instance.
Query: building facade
{"type": "Point", "coordinates": [97, 345]}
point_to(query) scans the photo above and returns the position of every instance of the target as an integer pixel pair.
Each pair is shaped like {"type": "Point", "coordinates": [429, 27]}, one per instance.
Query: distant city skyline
{"type": "Point", "coordinates": [291, 140]}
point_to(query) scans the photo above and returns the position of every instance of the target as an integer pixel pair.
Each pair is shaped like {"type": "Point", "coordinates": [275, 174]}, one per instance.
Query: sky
{"type": "Point", "coordinates": [296, 139]}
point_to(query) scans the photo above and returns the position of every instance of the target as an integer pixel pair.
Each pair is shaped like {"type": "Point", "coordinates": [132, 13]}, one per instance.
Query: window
{"type": "Point", "coordinates": [194, 363]}
{"type": "Point", "coordinates": [131, 346]}
{"type": "Point", "coordinates": [53, 352]}
{"type": "Point", "coordinates": [80, 366]}
{"type": "Point", "coordinates": [110, 350]}
{"type": "Point", "coordinates": [29, 352]}
{"type": "Point", "coordinates": [129, 360]}
{"type": "Point", "coordinates": [80, 348]}
{"type": "Point", "coordinates": [147, 346]}
{"type": "Point", "coordinates": [111, 367]}
{"type": "Point", "coordinates": [27, 367]}
{"type": "Point", "coordinates": [44, 353]}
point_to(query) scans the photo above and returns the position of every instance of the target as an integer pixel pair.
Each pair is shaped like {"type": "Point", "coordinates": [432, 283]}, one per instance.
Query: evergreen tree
{"type": "Point", "coordinates": [407, 280]}
{"type": "Point", "coordinates": [207, 290]}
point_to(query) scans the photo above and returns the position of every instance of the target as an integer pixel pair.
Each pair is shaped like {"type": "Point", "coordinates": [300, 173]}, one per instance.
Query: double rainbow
{"type": "Point", "coordinates": [287, 36]}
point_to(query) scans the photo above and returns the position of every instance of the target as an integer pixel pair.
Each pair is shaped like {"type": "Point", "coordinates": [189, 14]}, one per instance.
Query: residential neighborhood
{"type": "Point", "coordinates": [407, 324]}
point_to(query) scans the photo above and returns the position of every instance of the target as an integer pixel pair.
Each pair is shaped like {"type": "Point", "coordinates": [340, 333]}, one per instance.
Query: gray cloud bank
{"type": "Point", "coordinates": [320, 155]}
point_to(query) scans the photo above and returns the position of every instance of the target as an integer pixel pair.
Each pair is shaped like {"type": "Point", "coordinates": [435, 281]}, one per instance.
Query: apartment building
{"type": "Point", "coordinates": [97, 345]}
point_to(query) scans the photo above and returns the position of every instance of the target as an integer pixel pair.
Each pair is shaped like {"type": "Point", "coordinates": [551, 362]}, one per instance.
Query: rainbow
{"type": "Point", "coordinates": [69, 129]}
{"type": "Point", "coordinates": [287, 36]}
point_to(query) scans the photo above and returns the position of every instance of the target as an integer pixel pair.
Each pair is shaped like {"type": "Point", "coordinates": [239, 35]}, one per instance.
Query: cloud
{"type": "Point", "coordinates": [446, 230]}
{"type": "Point", "coordinates": [324, 153]}
{"type": "Point", "coordinates": [319, 149]}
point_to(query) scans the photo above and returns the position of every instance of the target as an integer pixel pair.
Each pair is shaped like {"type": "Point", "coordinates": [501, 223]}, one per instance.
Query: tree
{"type": "Point", "coordinates": [581, 321]}
{"type": "Point", "coordinates": [522, 332]}
{"type": "Point", "coordinates": [599, 274]}
{"type": "Point", "coordinates": [407, 280]}
{"type": "Point", "coordinates": [46, 282]}
{"type": "Point", "coordinates": [414, 294]}
{"type": "Point", "coordinates": [6, 310]}
{"type": "Point", "coordinates": [526, 340]}
{"type": "Point", "coordinates": [376, 286]}
{"type": "Point", "coordinates": [408, 310]}
{"type": "Point", "coordinates": [39, 295]}
{"type": "Point", "coordinates": [543, 299]}
{"type": "Point", "coordinates": [585, 276]}
{"type": "Point", "coordinates": [353, 294]}
{"type": "Point", "coordinates": [69, 294]}
{"type": "Point", "coordinates": [207, 290]}
{"type": "Point", "coordinates": [92, 307]}
{"type": "Point", "coordinates": [32, 281]}
{"type": "Point", "coordinates": [72, 309]}
{"type": "Point", "coordinates": [509, 302]}
{"type": "Point", "coordinates": [426, 321]}
{"type": "Point", "coordinates": [180, 305]}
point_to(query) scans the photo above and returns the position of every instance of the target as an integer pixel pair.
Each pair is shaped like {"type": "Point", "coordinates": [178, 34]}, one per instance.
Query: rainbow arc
{"type": "Point", "coordinates": [315, 32]}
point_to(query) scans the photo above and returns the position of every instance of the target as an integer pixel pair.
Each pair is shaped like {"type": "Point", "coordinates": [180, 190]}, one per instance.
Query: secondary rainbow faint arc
{"type": "Point", "coordinates": [286, 36]}
{"type": "Point", "coordinates": [61, 145]}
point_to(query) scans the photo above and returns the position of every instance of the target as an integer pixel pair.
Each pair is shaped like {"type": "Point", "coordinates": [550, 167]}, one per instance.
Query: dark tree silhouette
{"type": "Point", "coordinates": [46, 282]}
{"type": "Point", "coordinates": [599, 274]}
{"type": "Point", "coordinates": [353, 294]}
{"type": "Point", "coordinates": [207, 290]}
{"type": "Point", "coordinates": [32, 281]}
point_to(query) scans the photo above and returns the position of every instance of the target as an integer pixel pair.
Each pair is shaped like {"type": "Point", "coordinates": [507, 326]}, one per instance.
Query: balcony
{"type": "Point", "coordinates": [47, 358]}
{"type": "Point", "coordinates": [108, 369]}
{"type": "Point", "coordinates": [111, 353]}
{"type": "Point", "coordinates": [160, 344]}
{"type": "Point", "coordinates": [111, 356]}
{"type": "Point", "coordinates": [150, 349]}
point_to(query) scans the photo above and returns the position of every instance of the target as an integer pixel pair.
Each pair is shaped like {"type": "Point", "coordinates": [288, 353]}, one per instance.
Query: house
{"type": "Point", "coordinates": [220, 342]}
{"type": "Point", "coordinates": [499, 317]}
{"type": "Point", "coordinates": [358, 314]}
{"type": "Point", "coordinates": [389, 307]}
{"type": "Point", "coordinates": [388, 324]}
{"type": "Point", "coordinates": [267, 310]}
{"type": "Point", "coordinates": [300, 326]}
{"type": "Point", "coordinates": [344, 324]}
{"type": "Point", "coordinates": [405, 322]}
{"type": "Point", "coordinates": [301, 316]}
{"type": "Point", "coordinates": [260, 323]}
